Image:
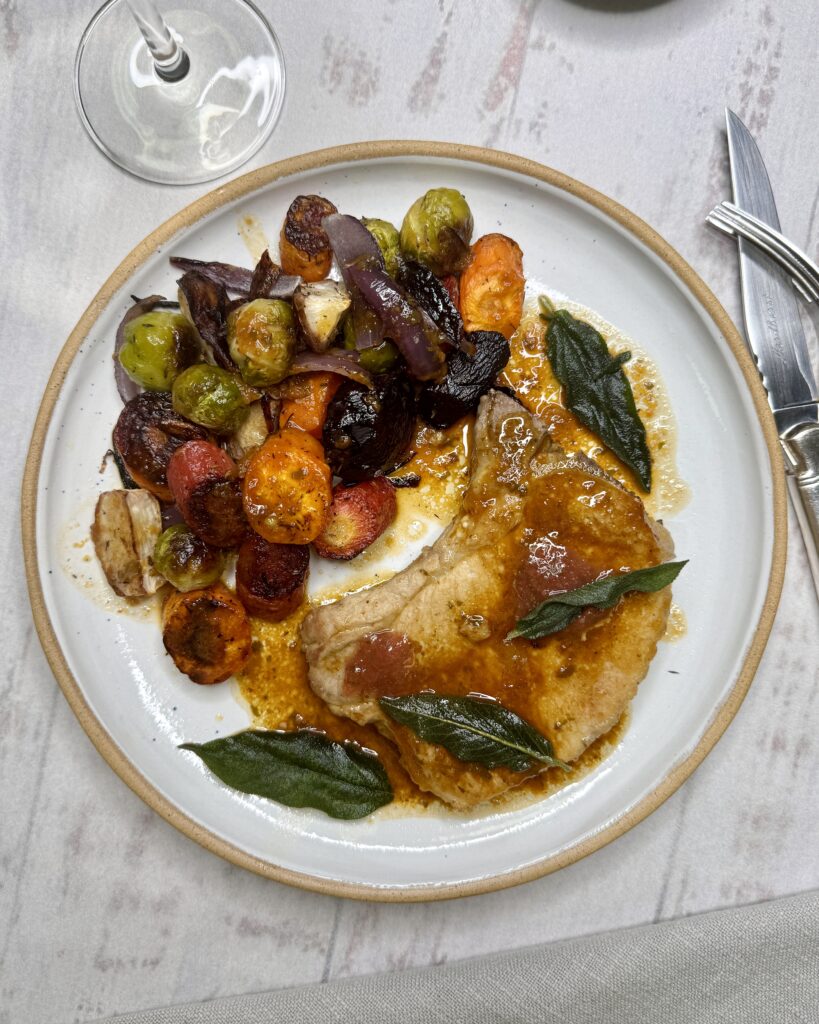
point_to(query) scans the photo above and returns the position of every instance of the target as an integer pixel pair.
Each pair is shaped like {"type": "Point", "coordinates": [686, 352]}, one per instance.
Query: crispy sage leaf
{"type": "Point", "coordinates": [557, 611]}
{"type": "Point", "coordinates": [597, 390]}
{"type": "Point", "coordinates": [473, 730]}
{"type": "Point", "coordinates": [300, 769]}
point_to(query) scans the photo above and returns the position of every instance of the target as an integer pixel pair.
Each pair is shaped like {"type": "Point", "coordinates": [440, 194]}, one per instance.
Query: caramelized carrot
{"type": "Point", "coordinates": [492, 286]}
{"type": "Point", "coordinates": [288, 488]}
{"type": "Point", "coordinates": [304, 247]}
{"type": "Point", "coordinates": [207, 633]}
{"type": "Point", "coordinates": [306, 397]}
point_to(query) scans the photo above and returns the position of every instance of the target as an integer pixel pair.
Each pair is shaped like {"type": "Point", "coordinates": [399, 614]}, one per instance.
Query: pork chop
{"type": "Point", "coordinates": [533, 521]}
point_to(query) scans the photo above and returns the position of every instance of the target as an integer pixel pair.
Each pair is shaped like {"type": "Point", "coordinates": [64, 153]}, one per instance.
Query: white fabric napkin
{"type": "Point", "coordinates": [752, 965]}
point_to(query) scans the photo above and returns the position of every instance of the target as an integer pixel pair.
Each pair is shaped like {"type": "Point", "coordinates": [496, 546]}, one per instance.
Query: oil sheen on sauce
{"type": "Point", "coordinates": [274, 684]}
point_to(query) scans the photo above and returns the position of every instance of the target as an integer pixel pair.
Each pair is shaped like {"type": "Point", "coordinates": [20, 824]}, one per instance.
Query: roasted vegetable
{"type": "Point", "coordinates": [157, 346]}
{"type": "Point", "coordinates": [185, 560]}
{"type": "Point", "coordinates": [127, 387]}
{"type": "Point", "coordinates": [334, 360]}
{"type": "Point", "coordinates": [367, 432]}
{"type": "Point", "coordinates": [437, 230]}
{"type": "Point", "coordinates": [305, 400]}
{"type": "Point", "coordinates": [443, 402]}
{"type": "Point", "coordinates": [262, 340]}
{"type": "Point", "coordinates": [419, 340]}
{"type": "Point", "coordinates": [358, 516]}
{"type": "Point", "coordinates": [125, 529]}
{"type": "Point", "coordinates": [265, 275]}
{"type": "Point", "coordinates": [212, 397]}
{"type": "Point", "coordinates": [207, 633]}
{"type": "Point", "coordinates": [252, 432]}
{"type": "Point", "coordinates": [492, 286]}
{"type": "Point", "coordinates": [287, 488]}
{"type": "Point", "coordinates": [147, 434]}
{"type": "Point", "coordinates": [320, 307]}
{"type": "Point", "coordinates": [303, 245]}
{"type": "Point", "coordinates": [353, 244]}
{"type": "Point", "coordinates": [204, 303]}
{"type": "Point", "coordinates": [271, 578]}
{"type": "Point", "coordinates": [434, 299]}
{"type": "Point", "coordinates": [205, 486]}
{"type": "Point", "coordinates": [241, 280]}
{"type": "Point", "coordinates": [386, 235]}
{"type": "Point", "coordinates": [379, 359]}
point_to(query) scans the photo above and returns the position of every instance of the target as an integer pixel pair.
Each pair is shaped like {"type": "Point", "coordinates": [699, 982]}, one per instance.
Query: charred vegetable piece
{"type": "Point", "coordinates": [320, 307]}
{"type": "Point", "coordinates": [437, 230]}
{"type": "Point", "coordinates": [212, 397]}
{"type": "Point", "coordinates": [450, 282]}
{"type": "Point", "coordinates": [229, 276]}
{"type": "Point", "coordinates": [147, 434]}
{"type": "Point", "coordinates": [185, 560]}
{"type": "Point", "coordinates": [204, 481]}
{"type": "Point", "coordinates": [433, 298]}
{"type": "Point", "coordinates": [492, 286]}
{"type": "Point", "coordinates": [442, 403]}
{"type": "Point", "coordinates": [305, 400]}
{"type": "Point", "coordinates": [358, 516]}
{"type": "Point", "coordinates": [304, 247]}
{"type": "Point", "coordinates": [287, 488]}
{"type": "Point", "coordinates": [125, 529]}
{"type": "Point", "coordinates": [204, 303]}
{"type": "Point", "coordinates": [419, 340]}
{"type": "Point", "coordinates": [367, 432]}
{"type": "Point", "coordinates": [251, 434]}
{"type": "Point", "coordinates": [271, 578]}
{"type": "Point", "coordinates": [264, 279]}
{"type": "Point", "coordinates": [156, 347]}
{"type": "Point", "coordinates": [262, 340]}
{"type": "Point", "coordinates": [386, 235]}
{"type": "Point", "coordinates": [207, 633]}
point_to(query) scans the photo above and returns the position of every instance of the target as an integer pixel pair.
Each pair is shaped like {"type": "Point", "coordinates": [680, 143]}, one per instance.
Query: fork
{"type": "Point", "coordinates": [732, 220]}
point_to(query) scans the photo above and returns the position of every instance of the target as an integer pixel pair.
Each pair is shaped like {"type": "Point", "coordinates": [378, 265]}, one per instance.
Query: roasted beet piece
{"type": "Point", "coordinates": [205, 486]}
{"type": "Point", "coordinates": [146, 435]}
{"type": "Point", "coordinates": [358, 516]}
{"type": "Point", "coordinates": [433, 297]}
{"type": "Point", "coordinates": [468, 377]}
{"type": "Point", "coordinates": [367, 431]}
{"type": "Point", "coordinates": [271, 578]}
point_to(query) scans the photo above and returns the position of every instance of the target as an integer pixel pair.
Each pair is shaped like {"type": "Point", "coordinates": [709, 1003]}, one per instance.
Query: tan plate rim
{"type": "Point", "coordinates": [233, 190]}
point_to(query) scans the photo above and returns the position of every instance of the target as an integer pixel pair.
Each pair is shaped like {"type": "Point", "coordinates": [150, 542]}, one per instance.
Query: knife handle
{"type": "Point", "coordinates": [802, 445]}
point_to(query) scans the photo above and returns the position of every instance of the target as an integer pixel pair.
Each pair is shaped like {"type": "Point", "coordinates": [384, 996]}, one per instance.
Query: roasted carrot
{"type": "Point", "coordinates": [288, 488]}
{"type": "Point", "coordinates": [492, 286]}
{"type": "Point", "coordinates": [304, 247]}
{"type": "Point", "coordinates": [207, 633]}
{"type": "Point", "coordinates": [305, 400]}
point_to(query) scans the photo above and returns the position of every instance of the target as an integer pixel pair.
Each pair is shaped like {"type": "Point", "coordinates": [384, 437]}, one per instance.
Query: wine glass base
{"type": "Point", "coordinates": [196, 129]}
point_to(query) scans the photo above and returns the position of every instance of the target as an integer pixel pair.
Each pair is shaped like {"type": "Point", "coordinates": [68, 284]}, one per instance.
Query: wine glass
{"type": "Point", "coordinates": [183, 98]}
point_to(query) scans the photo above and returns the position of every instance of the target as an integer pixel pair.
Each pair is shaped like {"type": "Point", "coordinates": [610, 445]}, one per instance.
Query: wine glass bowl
{"type": "Point", "coordinates": [195, 116]}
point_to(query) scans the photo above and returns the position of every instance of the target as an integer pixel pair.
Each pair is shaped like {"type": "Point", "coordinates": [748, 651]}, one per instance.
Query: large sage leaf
{"type": "Point", "coordinates": [597, 390]}
{"type": "Point", "coordinates": [473, 730]}
{"type": "Point", "coordinates": [300, 769]}
{"type": "Point", "coordinates": [556, 612]}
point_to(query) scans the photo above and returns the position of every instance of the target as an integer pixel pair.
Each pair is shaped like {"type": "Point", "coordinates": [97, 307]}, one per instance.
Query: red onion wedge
{"type": "Point", "coordinates": [207, 303]}
{"type": "Point", "coordinates": [334, 360]}
{"type": "Point", "coordinates": [239, 279]}
{"type": "Point", "coordinates": [419, 340]}
{"type": "Point", "coordinates": [352, 244]}
{"type": "Point", "coordinates": [128, 388]}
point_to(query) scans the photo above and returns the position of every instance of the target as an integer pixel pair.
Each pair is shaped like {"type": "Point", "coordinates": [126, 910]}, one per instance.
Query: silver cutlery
{"type": "Point", "coordinates": [773, 326]}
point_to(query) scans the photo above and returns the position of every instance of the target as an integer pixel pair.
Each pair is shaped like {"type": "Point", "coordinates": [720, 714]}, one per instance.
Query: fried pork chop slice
{"type": "Point", "coordinates": [534, 521]}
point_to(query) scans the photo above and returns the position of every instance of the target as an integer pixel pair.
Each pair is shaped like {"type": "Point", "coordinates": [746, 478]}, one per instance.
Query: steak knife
{"type": "Point", "coordinates": [776, 337]}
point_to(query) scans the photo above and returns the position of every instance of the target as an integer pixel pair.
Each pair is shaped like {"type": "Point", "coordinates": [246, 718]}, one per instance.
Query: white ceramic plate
{"type": "Point", "coordinates": [137, 708]}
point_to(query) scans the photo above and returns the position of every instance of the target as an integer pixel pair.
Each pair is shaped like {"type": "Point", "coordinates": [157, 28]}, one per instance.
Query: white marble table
{"type": "Point", "coordinates": [104, 907]}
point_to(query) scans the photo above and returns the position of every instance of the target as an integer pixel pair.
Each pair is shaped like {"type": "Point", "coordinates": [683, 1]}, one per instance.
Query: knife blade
{"type": "Point", "coordinates": [776, 337]}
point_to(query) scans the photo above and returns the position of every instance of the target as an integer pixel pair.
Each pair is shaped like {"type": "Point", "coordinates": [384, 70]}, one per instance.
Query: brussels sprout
{"type": "Point", "coordinates": [157, 346]}
{"type": "Point", "coordinates": [386, 235]}
{"type": "Point", "coordinates": [380, 358]}
{"type": "Point", "coordinates": [262, 340]}
{"type": "Point", "coordinates": [185, 560]}
{"type": "Point", "coordinates": [437, 231]}
{"type": "Point", "coordinates": [212, 397]}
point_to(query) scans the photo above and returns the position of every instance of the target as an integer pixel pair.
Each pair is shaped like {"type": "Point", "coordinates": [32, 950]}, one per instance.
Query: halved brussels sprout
{"type": "Point", "coordinates": [157, 347]}
{"type": "Point", "coordinates": [386, 235]}
{"type": "Point", "coordinates": [379, 358]}
{"type": "Point", "coordinates": [212, 397]}
{"type": "Point", "coordinates": [185, 560]}
{"type": "Point", "coordinates": [437, 230]}
{"type": "Point", "coordinates": [262, 340]}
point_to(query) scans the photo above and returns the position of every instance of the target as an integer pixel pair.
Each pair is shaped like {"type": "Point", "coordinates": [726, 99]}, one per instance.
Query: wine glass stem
{"type": "Point", "coordinates": [170, 60]}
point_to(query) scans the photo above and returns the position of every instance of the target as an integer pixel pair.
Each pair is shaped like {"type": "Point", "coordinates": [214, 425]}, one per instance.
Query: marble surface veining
{"type": "Point", "coordinates": [103, 906]}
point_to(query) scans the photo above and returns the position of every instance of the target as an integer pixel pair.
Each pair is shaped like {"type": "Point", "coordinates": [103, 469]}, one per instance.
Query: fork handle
{"type": "Point", "coordinates": [802, 445]}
